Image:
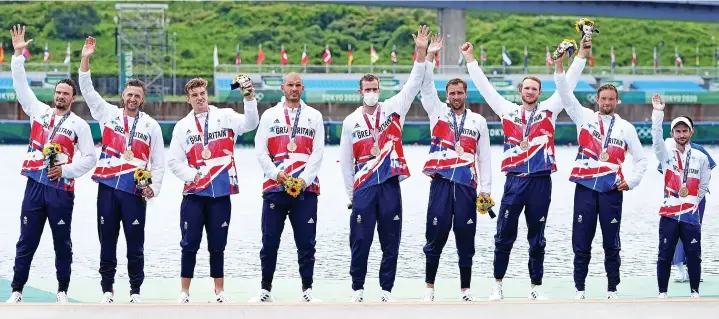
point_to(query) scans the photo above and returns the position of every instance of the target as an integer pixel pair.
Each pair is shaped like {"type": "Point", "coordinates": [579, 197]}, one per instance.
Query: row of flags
{"type": "Point", "coordinates": [26, 54]}
{"type": "Point", "coordinates": [326, 56]}
{"type": "Point", "coordinates": [506, 59]}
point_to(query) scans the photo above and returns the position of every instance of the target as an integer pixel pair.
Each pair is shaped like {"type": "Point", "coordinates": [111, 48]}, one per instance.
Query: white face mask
{"type": "Point", "coordinates": [371, 99]}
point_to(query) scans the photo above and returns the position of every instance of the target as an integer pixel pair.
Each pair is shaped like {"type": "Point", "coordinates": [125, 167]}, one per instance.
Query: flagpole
{"type": "Point", "coordinates": [504, 64]}
{"type": "Point", "coordinates": [237, 66]}
{"type": "Point", "coordinates": [349, 67]}
{"type": "Point", "coordinates": [676, 63]}
{"type": "Point", "coordinates": [394, 51]}
{"type": "Point", "coordinates": [260, 66]}
{"type": "Point", "coordinates": [371, 63]}
{"type": "Point", "coordinates": [327, 66]}
{"type": "Point", "coordinates": [282, 65]}
{"type": "Point", "coordinates": [305, 51]}
{"type": "Point", "coordinates": [3, 57]}
{"type": "Point", "coordinates": [697, 60]}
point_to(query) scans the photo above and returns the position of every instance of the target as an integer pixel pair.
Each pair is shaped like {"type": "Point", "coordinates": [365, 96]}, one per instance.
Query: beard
{"type": "Point", "coordinates": [529, 100]}
{"type": "Point", "coordinates": [61, 105]}
{"type": "Point", "coordinates": [125, 106]}
{"type": "Point", "coordinates": [457, 107]}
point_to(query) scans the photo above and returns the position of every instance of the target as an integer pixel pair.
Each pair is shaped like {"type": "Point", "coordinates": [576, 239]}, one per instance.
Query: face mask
{"type": "Point", "coordinates": [371, 99]}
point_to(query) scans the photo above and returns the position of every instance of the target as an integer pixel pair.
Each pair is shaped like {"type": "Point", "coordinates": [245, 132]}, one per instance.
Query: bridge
{"type": "Point", "coordinates": [453, 23]}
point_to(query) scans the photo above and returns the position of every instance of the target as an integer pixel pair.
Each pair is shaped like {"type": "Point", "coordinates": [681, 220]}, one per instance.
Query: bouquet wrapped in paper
{"type": "Point", "coordinates": [143, 178]}
{"type": "Point", "coordinates": [586, 27]}
{"type": "Point", "coordinates": [568, 46]}
{"type": "Point", "coordinates": [293, 186]}
{"type": "Point", "coordinates": [50, 151]}
{"type": "Point", "coordinates": [243, 82]}
{"type": "Point", "coordinates": [485, 204]}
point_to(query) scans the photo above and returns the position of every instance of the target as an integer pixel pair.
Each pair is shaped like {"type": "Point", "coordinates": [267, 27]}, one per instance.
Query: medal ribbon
{"type": "Point", "coordinates": [609, 131]}
{"type": "Point", "coordinates": [373, 130]}
{"type": "Point", "coordinates": [132, 131]}
{"type": "Point", "coordinates": [206, 138]}
{"type": "Point", "coordinates": [293, 129]}
{"type": "Point", "coordinates": [685, 168]}
{"type": "Point", "coordinates": [458, 130]}
{"type": "Point", "coordinates": [531, 119]}
{"type": "Point", "coordinates": [54, 128]}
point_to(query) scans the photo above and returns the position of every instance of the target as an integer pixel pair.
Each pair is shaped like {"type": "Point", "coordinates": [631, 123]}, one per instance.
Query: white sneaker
{"type": "Point", "coordinates": [61, 297]}
{"type": "Point", "coordinates": [16, 297]}
{"type": "Point", "coordinates": [222, 297]}
{"type": "Point", "coordinates": [695, 294]}
{"type": "Point", "coordinates": [579, 295]}
{"type": "Point", "coordinates": [497, 294]}
{"type": "Point", "coordinates": [612, 295]}
{"type": "Point", "coordinates": [308, 296]}
{"type": "Point", "coordinates": [387, 296]}
{"type": "Point", "coordinates": [428, 294]}
{"type": "Point", "coordinates": [662, 295]}
{"type": "Point", "coordinates": [136, 298]}
{"type": "Point", "coordinates": [467, 295]}
{"type": "Point", "coordinates": [184, 298]}
{"type": "Point", "coordinates": [358, 297]}
{"type": "Point", "coordinates": [536, 293]}
{"type": "Point", "coordinates": [263, 296]}
{"type": "Point", "coordinates": [108, 297]}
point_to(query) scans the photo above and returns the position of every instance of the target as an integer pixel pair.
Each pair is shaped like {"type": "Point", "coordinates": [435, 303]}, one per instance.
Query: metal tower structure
{"type": "Point", "coordinates": [142, 45]}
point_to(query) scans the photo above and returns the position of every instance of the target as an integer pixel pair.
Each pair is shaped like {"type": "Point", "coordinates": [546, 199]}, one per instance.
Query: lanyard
{"type": "Point", "coordinates": [293, 129]}
{"type": "Point", "coordinates": [375, 129]}
{"type": "Point", "coordinates": [531, 119]}
{"type": "Point", "coordinates": [206, 132]}
{"type": "Point", "coordinates": [458, 130]}
{"type": "Point", "coordinates": [609, 131]}
{"type": "Point", "coordinates": [685, 168]}
{"type": "Point", "coordinates": [130, 137]}
{"type": "Point", "coordinates": [54, 128]}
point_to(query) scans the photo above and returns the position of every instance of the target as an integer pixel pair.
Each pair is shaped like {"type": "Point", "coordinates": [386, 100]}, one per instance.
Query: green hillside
{"type": "Point", "coordinates": [201, 25]}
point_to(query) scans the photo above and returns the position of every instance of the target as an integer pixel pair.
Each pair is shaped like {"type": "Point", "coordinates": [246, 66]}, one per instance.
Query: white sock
{"type": "Point", "coordinates": [498, 284]}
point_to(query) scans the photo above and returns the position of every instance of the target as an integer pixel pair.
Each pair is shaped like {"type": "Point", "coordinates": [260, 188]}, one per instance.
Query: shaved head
{"type": "Point", "coordinates": [292, 88]}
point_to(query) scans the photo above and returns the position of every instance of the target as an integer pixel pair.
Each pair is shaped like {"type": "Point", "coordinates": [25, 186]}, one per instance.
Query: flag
{"type": "Point", "coordinates": [612, 59]}
{"type": "Point", "coordinates": [526, 57]}
{"type": "Point", "coordinates": [505, 57]}
{"type": "Point", "coordinates": [634, 57]}
{"type": "Point", "coordinates": [67, 54]}
{"type": "Point", "coordinates": [305, 58]}
{"type": "Point", "coordinates": [350, 58]}
{"type": "Point", "coordinates": [393, 56]}
{"type": "Point", "coordinates": [283, 55]}
{"type": "Point", "coordinates": [26, 53]}
{"type": "Point", "coordinates": [656, 61]}
{"type": "Point", "coordinates": [373, 57]}
{"type": "Point", "coordinates": [697, 56]}
{"type": "Point", "coordinates": [238, 59]}
{"type": "Point", "coordinates": [548, 59]}
{"type": "Point", "coordinates": [327, 56]}
{"type": "Point", "coordinates": [483, 55]}
{"type": "Point", "coordinates": [260, 55]}
{"type": "Point", "coordinates": [215, 58]}
{"type": "Point", "coordinates": [2, 54]}
{"type": "Point", "coordinates": [677, 58]}
{"type": "Point", "coordinates": [591, 58]}
{"type": "Point", "coordinates": [46, 56]}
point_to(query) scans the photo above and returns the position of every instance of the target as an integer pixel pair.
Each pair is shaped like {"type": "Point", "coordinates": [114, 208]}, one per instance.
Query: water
{"type": "Point", "coordinates": [639, 231]}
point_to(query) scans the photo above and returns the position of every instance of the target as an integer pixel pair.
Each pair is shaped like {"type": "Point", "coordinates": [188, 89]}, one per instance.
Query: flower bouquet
{"type": "Point", "coordinates": [568, 46]}
{"type": "Point", "coordinates": [293, 186]}
{"type": "Point", "coordinates": [143, 178]}
{"type": "Point", "coordinates": [243, 82]}
{"type": "Point", "coordinates": [485, 204]}
{"type": "Point", "coordinates": [50, 151]}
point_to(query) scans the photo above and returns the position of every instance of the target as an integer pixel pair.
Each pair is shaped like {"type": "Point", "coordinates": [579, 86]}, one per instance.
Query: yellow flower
{"type": "Point", "coordinates": [142, 174]}
{"type": "Point", "coordinates": [57, 148]}
{"type": "Point", "coordinates": [484, 204]}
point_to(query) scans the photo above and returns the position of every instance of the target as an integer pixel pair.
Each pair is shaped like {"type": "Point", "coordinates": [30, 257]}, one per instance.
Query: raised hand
{"type": "Point", "coordinates": [584, 47]}
{"type": "Point", "coordinates": [422, 37]}
{"type": "Point", "coordinates": [467, 52]}
{"type": "Point", "coordinates": [658, 102]}
{"type": "Point", "coordinates": [18, 39]}
{"type": "Point", "coordinates": [89, 48]}
{"type": "Point", "coordinates": [435, 45]}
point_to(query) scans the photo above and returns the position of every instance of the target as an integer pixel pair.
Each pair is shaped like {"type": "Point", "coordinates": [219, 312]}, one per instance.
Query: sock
{"type": "Point", "coordinates": [680, 271]}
